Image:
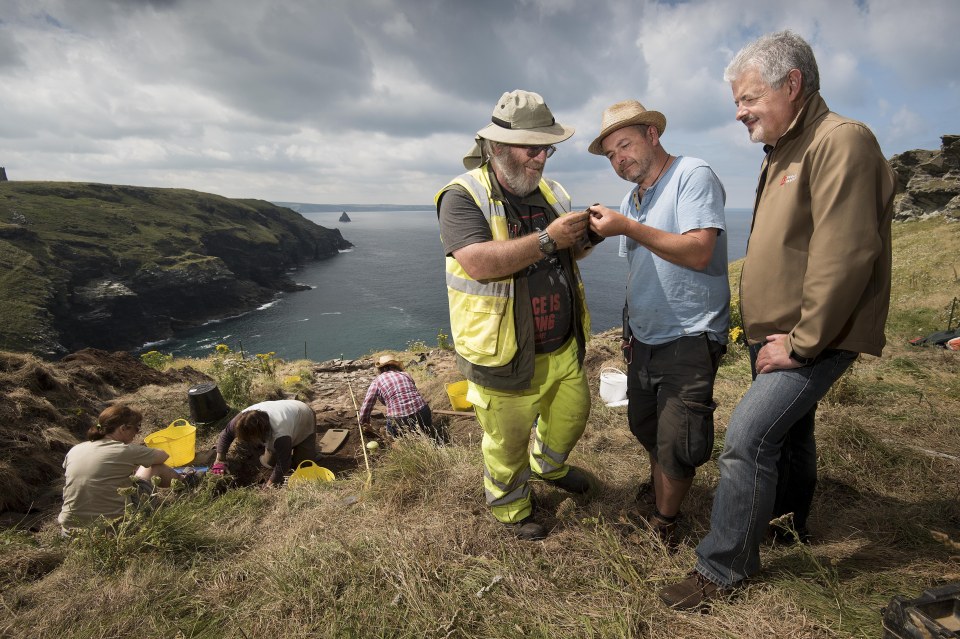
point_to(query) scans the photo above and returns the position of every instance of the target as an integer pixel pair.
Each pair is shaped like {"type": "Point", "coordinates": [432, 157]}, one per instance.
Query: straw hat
{"type": "Point", "coordinates": [385, 360]}
{"type": "Point", "coordinates": [623, 114]}
{"type": "Point", "coordinates": [520, 117]}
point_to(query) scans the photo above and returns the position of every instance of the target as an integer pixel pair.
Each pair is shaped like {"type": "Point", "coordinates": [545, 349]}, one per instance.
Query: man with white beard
{"type": "Point", "coordinates": [518, 314]}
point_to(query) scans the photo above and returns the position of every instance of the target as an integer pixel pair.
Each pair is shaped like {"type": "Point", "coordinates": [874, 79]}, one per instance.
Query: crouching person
{"type": "Point", "coordinates": [285, 430]}
{"type": "Point", "coordinates": [406, 408]}
{"type": "Point", "coordinates": [96, 469]}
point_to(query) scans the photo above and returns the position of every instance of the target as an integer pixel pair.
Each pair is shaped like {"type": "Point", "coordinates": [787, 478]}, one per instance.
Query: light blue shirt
{"type": "Point", "coordinates": [667, 301]}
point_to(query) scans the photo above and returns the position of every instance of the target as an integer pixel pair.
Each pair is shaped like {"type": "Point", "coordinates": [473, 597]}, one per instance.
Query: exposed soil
{"type": "Point", "coordinates": [47, 407]}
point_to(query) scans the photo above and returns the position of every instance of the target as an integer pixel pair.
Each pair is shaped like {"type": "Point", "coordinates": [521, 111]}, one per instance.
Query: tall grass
{"type": "Point", "coordinates": [416, 553]}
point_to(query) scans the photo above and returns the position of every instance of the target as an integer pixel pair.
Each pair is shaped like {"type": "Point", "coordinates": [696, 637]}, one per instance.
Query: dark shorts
{"type": "Point", "coordinates": [670, 392]}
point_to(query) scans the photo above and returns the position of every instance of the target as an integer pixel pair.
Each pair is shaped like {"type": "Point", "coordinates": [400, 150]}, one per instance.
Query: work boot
{"type": "Point", "coordinates": [665, 528]}
{"type": "Point", "coordinates": [646, 493]}
{"type": "Point", "coordinates": [693, 593]}
{"type": "Point", "coordinates": [527, 530]}
{"type": "Point", "coordinates": [646, 498]}
{"type": "Point", "coordinates": [575, 481]}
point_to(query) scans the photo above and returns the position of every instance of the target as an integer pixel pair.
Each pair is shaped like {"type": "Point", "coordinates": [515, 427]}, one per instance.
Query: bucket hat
{"type": "Point", "coordinates": [385, 360]}
{"type": "Point", "coordinates": [520, 117]}
{"type": "Point", "coordinates": [622, 114]}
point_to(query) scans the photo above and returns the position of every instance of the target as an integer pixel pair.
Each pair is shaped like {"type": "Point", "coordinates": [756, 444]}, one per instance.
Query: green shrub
{"type": "Point", "coordinates": [418, 346]}
{"type": "Point", "coordinates": [156, 359]}
{"type": "Point", "coordinates": [443, 341]}
{"type": "Point", "coordinates": [234, 375]}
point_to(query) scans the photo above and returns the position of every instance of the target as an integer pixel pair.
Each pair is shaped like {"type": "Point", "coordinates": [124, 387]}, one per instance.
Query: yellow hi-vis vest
{"type": "Point", "coordinates": [482, 312]}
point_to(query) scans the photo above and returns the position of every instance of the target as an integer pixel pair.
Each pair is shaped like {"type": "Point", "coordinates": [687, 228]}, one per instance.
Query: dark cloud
{"type": "Point", "coordinates": [10, 50]}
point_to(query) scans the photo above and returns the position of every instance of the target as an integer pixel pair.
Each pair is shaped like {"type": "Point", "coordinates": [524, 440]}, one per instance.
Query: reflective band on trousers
{"type": "Point", "coordinates": [509, 496]}
{"type": "Point", "coordinates": [544, 456]}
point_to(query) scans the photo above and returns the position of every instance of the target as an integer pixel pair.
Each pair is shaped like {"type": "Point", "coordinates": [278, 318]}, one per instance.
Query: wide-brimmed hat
{"type": "Point", "coordinates": [626, 113]}
{"type": "Point", "coordinates": [522, 117]}
{"type": "Point", "coordinates": [386, 360]}
{"type": "Point", "coordinates": [474, 156]}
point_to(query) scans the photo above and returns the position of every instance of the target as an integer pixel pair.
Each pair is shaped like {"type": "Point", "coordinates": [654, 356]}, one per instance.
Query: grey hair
{"type": "Point", "coordinates": [486, 148]}
{"type": "Point", "coordinates": [774, 56]}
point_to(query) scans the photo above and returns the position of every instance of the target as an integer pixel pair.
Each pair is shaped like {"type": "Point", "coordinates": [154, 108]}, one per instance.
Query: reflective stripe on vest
{"type": "Point", "coordinates": [481, 312]}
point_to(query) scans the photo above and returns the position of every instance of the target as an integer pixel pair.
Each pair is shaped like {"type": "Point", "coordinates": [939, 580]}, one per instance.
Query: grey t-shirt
{"type": "Point", "coordinates": [462, 223]}
{"type": "Point", "coordinates": [94, 472]}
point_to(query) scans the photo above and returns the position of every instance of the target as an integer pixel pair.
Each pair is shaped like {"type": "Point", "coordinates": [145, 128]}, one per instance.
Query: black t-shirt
{"type": "Point", "coordinates": [462, 224]}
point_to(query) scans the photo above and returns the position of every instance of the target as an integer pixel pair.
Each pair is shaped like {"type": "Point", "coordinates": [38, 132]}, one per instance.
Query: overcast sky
{"type": "Point", "coordinates": [376, 101]}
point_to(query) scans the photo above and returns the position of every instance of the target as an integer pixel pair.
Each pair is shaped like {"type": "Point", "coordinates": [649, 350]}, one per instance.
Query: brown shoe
{"type": "Point", "coordinates": [665, 529]}
{"type": "Point", "coordinates": [646, 494]}
{"type": "Point", "coordinates": [693, 593]}
{"type": "Point", "coordinates": [646, 499]}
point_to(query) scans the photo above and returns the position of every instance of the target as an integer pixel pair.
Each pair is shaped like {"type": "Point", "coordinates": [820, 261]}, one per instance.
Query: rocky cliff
{"type": "Point", "coordinates": [111, 267]}
{"type": "Point", "coordinates": [929, 181]}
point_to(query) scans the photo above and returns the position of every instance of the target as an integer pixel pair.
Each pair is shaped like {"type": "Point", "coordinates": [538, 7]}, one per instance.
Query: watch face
{"type": "Point", "coordinates": [547, 245]}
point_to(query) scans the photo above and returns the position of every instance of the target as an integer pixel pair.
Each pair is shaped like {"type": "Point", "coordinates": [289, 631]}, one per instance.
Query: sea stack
{"type": "Point", "coordinates": [344, 217]}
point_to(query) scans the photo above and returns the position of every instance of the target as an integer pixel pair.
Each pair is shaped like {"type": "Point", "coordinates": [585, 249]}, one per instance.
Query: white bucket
{"type": "Point", "coordinates": [613, 386]}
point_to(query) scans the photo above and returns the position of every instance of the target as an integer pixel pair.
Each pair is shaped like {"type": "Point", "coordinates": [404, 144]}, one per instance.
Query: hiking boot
{"type": "Point", "coordinates": [646, 499]}
{"type": "Point", "coordinates": [665, 528]}
{"type": "Point", "coordinates": [527, 530]}
{"type": "Point", "coordinates": [693, 593]}
{"type": "Point", "coordinates": [575, 481]}
{"type": "Point", "coordinates": [646, 494]}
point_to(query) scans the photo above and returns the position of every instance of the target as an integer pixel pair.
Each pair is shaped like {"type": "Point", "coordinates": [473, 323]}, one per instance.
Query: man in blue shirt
{"type": "Point", "coordinates": [671, 228]}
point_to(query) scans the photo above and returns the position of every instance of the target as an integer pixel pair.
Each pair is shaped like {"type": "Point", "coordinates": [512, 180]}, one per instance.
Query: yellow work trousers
{"type": "Point", "coordinates": [559, 395]}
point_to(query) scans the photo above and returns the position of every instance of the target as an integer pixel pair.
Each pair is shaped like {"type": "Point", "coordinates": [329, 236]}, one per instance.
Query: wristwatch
{"type": "Point", "coordinates": [804, 361]}
{"type": "Point", "coordinates": [547, 245]}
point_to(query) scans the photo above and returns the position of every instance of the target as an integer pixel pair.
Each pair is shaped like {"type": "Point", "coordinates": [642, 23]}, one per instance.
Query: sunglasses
{"type": "Point", "coordinates": [534, 151]}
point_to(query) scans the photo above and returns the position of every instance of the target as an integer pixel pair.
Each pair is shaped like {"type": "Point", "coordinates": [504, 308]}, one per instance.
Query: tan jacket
{"type": "Point", "coordinates": [818, 259]}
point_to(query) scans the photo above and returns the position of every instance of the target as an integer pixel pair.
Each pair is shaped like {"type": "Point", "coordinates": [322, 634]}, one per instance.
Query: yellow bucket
{"type": "Point", "coordinates": [457, 392]}
{"type": "Point", "coordinates": [309, 471]}
{"type": "Point", "coordinates": [177, 440]}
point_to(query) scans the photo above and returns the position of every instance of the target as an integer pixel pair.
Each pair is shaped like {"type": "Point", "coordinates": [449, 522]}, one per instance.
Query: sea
{"type": "Point", "coordinates": [388, 292]}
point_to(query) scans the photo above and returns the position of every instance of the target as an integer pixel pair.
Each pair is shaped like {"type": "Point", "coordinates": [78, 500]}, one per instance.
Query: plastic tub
{"type": "Point", "coordinates": [310, 471]}
{"type": "Point", "coordinates": [177, 439]}
{"type": "Point", "coordinates": [457, 392]}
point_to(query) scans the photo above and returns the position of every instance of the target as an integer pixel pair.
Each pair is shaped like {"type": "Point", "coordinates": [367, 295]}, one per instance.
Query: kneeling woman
{"type": "Point", "coordinates": [286, 428]}
{"type": "Point", "coordinates": [97, 468]}
{"type": "Point", "coordinates": [406, 409]}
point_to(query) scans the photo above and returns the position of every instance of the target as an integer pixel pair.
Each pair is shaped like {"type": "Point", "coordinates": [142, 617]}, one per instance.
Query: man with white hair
{"type": "Point", "coordinates": [518, 315]}
{"type": "Point", "coordinates": [814, 293]}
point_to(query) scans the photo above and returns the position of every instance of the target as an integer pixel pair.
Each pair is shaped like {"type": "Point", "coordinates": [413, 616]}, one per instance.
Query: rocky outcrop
{"type": "Point", "coordinates": [344, 217]}
{"type": "Point", "coordinates": [113, 267]}
{"type": "Point", "coordinates": [929, 181]}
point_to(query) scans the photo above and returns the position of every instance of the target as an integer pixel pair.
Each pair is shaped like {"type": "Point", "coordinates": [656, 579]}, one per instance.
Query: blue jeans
{"type": "Point", "coordinates": [760, 424]}
{"type": "Point", "coordinates": [797, 467]}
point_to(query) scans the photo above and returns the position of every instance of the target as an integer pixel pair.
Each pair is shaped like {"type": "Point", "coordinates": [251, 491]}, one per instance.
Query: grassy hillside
{"type": "Point", "coordinates": [73, 254]}
{"type": "Point", "coordinates": [411, 551]}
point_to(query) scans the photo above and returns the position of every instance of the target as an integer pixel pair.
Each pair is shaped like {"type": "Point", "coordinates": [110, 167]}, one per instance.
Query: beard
{"type": "Point", "coordinates": [637, 171]}
{"type": "Point", "coordinates": [514, 173]}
